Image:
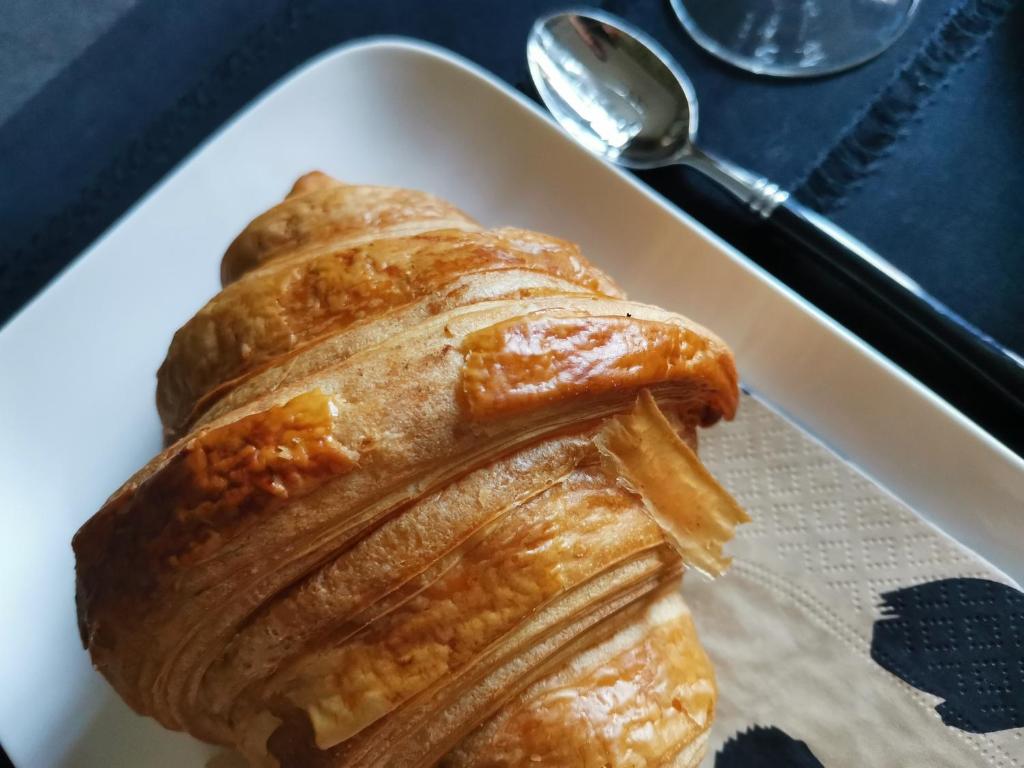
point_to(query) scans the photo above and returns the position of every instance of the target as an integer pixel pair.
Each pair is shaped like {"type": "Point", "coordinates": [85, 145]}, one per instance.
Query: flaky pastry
{"type": "Point", "coordinates": [428, 495]}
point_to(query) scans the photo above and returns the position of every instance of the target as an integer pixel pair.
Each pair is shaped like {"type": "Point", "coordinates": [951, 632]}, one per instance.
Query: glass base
{"type": "Point", "coordinates": [795, 38]}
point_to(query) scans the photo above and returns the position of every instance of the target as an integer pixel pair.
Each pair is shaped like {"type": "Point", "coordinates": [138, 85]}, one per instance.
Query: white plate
{"type": "Point", "coordinates": [77, 366]}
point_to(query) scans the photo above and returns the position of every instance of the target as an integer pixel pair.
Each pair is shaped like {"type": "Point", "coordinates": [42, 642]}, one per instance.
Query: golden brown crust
{"type": "Point", "coordinates": [396, 508]}
{"type": "Point", "coordinates": [632, 699]}
{"type": "Point", "coordinates": [461, 293]}
{"type": "Point", "coordinates": [295, 300]}
{"type": "Point", "coordinates": [321, 209]}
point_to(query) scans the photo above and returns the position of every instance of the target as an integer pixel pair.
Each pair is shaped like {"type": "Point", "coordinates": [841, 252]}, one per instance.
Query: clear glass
{"type": "Point", "coordinates": [795, 38]}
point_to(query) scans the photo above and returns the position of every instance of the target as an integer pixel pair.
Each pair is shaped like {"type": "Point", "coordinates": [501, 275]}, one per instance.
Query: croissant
{"type": "Point", "coordinates": [427, 498]}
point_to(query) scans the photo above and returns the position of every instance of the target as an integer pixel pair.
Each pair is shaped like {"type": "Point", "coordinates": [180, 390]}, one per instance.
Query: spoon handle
{"type": "Point", "coordinates": [991, 371]}
{"type": "Point", "coordinates": [758, 193]}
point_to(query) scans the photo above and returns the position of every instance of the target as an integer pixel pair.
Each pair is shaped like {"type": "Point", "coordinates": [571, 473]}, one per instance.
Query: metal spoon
{"type": "Point", "coordinates": [619, 94]}
{"type": "Point", "coordinates": [623, 97]}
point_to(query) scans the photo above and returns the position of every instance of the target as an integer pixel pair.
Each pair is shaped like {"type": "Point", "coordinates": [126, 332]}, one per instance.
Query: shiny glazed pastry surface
{"type": "Point", "coordinates": [427, 498]}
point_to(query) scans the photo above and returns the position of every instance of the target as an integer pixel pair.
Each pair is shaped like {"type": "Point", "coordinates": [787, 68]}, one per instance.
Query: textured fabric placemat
{"type": "Point", "coordinates": [938, 155]}
{"type": "Point", "coordinates": [849, 631]}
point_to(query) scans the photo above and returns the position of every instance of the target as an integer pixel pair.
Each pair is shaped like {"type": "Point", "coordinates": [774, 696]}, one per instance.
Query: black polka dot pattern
{"type": "Point", "coordinates": [963, 640]}
{"type": "Point", "coordinates": [765, 747]}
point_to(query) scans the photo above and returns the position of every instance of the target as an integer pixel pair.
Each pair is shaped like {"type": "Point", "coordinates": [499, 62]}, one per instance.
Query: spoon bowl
{"type": "Point", "coordinates": [623, 97]}
{"type": "Point", "coordinates": [614, 90]}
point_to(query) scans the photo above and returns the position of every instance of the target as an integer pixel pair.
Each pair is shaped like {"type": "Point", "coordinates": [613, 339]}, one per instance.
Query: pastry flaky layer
{"type": "Point", "coordinates": [429, 493]}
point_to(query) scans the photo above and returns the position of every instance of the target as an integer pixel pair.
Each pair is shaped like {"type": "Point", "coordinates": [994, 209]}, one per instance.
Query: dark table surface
{"type": "Point", "coordinates": [920, 152]}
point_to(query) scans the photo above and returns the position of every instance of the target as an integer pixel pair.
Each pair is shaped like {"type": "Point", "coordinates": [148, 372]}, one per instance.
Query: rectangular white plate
{"type": "Point", "coordinates": [77, 366]}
